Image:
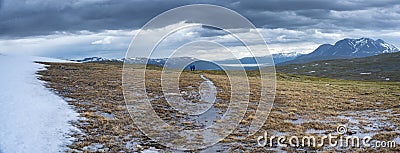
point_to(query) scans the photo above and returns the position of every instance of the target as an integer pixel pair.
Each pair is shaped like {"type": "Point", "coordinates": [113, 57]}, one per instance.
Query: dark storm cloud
{"type": "Point", "coordinates": [41, 17]}
{"type": "Point", "coordinates": [285, 19]}
{"type": "Point", "coordinates": [290, 5]}
{"type": "Point", "coordinates": [209, 31]}
{"type": "Point", "coordinates": [24, 19]}
{"type": "Point", "coordinates": [292, 14]}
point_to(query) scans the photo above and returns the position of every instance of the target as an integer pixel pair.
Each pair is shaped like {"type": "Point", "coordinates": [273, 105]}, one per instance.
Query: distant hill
{"type": "Point", "coordinates": [383, 67]}
{"type": "Point", "coordinates": [179, 62]}
{"type": "Point", "coordinates": [284, 57]}
{"type": "Point", "coordinates": [97, 59]}
{"type": "Point", "coordinates": [347, 49]}
{"type": "Point", "coordinates": [204, 65]}
{"type": "Point", "coordinates": [176, 62]}
{"type": "Point", "coordinates": [277, 58]}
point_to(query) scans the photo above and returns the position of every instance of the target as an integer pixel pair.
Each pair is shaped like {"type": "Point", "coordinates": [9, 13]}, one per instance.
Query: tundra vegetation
{"type": "Point", "coordinates": [304, 106]}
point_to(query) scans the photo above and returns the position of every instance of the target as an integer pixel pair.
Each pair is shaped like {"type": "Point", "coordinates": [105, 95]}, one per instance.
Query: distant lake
{"type": "Point", "coordinates": [246, 65]}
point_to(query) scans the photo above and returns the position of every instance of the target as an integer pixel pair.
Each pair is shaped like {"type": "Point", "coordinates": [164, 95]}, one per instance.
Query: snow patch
{"type": "Point", "coordinates": [33, 119]}
{"type": "Point", "coordinates": [397, 140]}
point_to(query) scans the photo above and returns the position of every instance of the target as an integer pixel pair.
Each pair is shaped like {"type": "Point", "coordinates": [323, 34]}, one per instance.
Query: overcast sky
{"type": "Point", "coordinates": [82, 28]}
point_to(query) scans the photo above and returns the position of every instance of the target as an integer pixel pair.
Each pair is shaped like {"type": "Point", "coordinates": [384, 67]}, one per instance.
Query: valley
{"type": "Point", "coordinates": [383, 67]}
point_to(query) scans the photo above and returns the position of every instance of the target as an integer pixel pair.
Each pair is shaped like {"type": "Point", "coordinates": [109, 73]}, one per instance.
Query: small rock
{"type": "Point", "coordinates": [351, 101]}
{"type": "Point", "coordinates": [76, 150]}
{"type": "Point", "coordinates": [352, 132]}
{"type": "Point", "coordinates": [85, 148]}
{"type": "Point", "coordinates": [99, 145]}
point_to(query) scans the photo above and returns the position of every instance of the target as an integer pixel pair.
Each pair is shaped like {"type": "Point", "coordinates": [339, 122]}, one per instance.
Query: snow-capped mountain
{"type": "Point", "coordinates": [361, 47]}
{"type": "Point", "coordinates": [97, 59]}
{"type": "Point", "coordinates": [142, 60]}
{"type": "Point", "coordinates": [179, 61]}
{"type": "Point", "coordinates": [346, 49]}
{"type": "Point", "coordinates": [172, 62]}
{"type": "Point", "coordinates": [284, 57]}
{"type": "Point", "coordinates": [290, 54]}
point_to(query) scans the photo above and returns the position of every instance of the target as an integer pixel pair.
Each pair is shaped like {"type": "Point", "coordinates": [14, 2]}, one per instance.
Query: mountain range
{"type": "Point", "coordinates": [178, 62]}
{"type": "Point", "coordinates": [97, 59]}
{"type": "Point", "coordinates": [346, 49]}
{"type": "Point", "coordinates": [342, 49]}
{"type": "Point", "coordinates": [265, 60]}
{"type": "Point", "coordinates": [278, 58]}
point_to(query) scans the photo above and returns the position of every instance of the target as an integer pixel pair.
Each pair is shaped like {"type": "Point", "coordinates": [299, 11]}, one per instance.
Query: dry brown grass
{"type": "Point", "coordinates": [301, 104]}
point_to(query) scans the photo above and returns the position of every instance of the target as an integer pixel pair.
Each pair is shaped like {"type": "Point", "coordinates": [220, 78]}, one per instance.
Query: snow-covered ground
{"type": "Point", "coordinates": [32, 118]}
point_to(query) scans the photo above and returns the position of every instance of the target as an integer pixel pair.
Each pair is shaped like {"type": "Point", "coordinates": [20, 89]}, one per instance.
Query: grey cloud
{"type": "Point", "coordinates": [25, 19]}
{"type": "Point", "coordinates": [286, 19]}
{"type": "Point", "coordinates": [42, 17]}
{"type": "Point", "coordinates": [339, 5]}
{"type": "Point", "coordinates": [208, 31]}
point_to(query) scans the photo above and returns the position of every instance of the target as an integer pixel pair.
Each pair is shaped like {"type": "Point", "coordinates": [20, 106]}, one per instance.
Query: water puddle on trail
{"type": "Point", "coordinates": [206, 98]}
{"type": "Point", "coordinates": [208, 91]}
{"type": "Point", "coordinates": [193, 108]}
